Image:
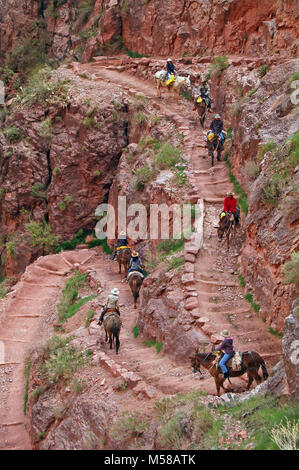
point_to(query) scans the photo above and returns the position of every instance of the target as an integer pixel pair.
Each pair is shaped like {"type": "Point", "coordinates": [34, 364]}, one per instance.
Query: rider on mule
{"type": "Point", "coordinates": [112, 303]}
{"type": "Point", "coordinates": [136, 263]}
{"type": "Point", "coordinates": [230, 205]}
{"type": "Point", "coordinates": [170, 68]}
{"type": "Point", "coordinates": [217, 126]}
{"type": "Point", "coordinates": [122, 241]}
{"type": "Point", "coordinates": [205, 93]}
{"type": "Point", "coordinates": [227, 347]}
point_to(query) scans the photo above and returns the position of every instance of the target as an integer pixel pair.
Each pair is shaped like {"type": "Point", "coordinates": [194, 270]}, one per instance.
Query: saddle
{"type": "Point", "coordinates": [135, 272]}
{"type": "Point", "coordinates": [234, 362]}
{"type": "Point", "coordinates": [122, 248]}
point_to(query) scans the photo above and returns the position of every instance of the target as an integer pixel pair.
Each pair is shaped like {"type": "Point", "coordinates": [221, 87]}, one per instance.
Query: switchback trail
{"type": "Point", "coordinates": [27, 311]}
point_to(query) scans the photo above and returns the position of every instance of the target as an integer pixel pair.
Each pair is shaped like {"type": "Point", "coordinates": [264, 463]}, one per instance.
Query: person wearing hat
{"type": "Point", "coordinates": [231, 205]}
{"type": "Point", "coordinates": [136, 263]}
{"type": "Point", "coordinates": [227, 347]}
{"type": "Point", "coordinates": [205, 93]}
{"type": "Point", "coordinates": [122, 241]}
{"type": "Point", "coordinates": [170, 68]}
{"type": "Point", "coordinates": [112, 303]}
{"type": "Point", "coordinates": [217, 126]}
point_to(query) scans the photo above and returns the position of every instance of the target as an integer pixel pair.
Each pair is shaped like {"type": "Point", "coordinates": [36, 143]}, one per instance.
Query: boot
{"type": "Point", "coordinates": [226, 375]}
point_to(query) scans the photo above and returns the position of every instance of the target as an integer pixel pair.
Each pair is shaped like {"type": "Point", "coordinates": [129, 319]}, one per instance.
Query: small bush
{"type": "Point", "coordinates": [175, 263]}
{"type": "Point", "coordinates": [135, 331]}
{"type": "Point", "coordinates": [69, 295]}
{"type": "Point", "coordinates": [286, 436]}
{"type": "Point", "coordinates": [170, 435]}
{"type": "Point", "coordinates": [131, 425]}
{"type": "Point", "coordinates": [263, 70]}
{"type": "Point", "coordinates": [42, 236]}
{"type": "Point", "coordinates": [152, 342]}
{"type": "Point", "coordinates": [139, 118]}
{"type": "Point", "coordinates": [56, 171]}
{"type": "Point", "coordinates": [264, 148]}
{"type": "Point", "coordinates": [241, 280]}
{"type": "Point", "coordinates": [13, 134]}
{"type": "Point", "coordinates": [290, 270]}
{"type": "Point", "coordinates": [63, 362]}
{"type": "Point", "coordinates": [90, 315]}
{"type": "Point", "coordinates": [46, 129]}
{"type": "Point", "coordinates": [167, 157]}
{"type": "Point", "coordinates": [143, 175]}
{"type": "Point", "coordinates": [218, 66]}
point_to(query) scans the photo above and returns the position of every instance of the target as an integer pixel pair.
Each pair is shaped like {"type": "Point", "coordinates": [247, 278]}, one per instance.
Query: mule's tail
{"type": "Point", "coordinates": [115, 332]}
{"type": "Point", "coordinates": [264, 369]}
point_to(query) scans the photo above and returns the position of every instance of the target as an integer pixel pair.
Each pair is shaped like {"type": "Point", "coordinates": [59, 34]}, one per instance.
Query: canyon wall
{"type": "Point", "coordinates": [84, 29]}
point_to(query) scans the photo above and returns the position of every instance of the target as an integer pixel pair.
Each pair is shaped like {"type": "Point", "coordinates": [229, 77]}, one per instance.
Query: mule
{"type": "Point", "coordinates": [123, 258]}
{"type": "Point", "coordinates": [215, 145]}
{"type": "Point", "coordinates": [112, 326]}
{"type": "Point", "coordinates": [175, 87]}
{"type": "Point", "coordinates": [135, 282]}
{"type": "Point", "coordinates": [201, 109]}
{"type": "Point", "coordinates": [227, 226]}
{"type": "Point", "coordinates": [251, 362]}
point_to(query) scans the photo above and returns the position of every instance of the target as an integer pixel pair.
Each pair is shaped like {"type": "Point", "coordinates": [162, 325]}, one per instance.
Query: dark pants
{"type": "Point", "coordinates": [237, 216]}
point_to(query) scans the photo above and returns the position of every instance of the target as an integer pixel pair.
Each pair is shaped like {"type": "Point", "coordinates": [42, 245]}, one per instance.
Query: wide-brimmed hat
{"type": "Point", "coordinates": [225, 333]}
{"type": "Point", "coordinates": [122, 234]}
{"type": "Point", "coordinates": [134, 254]}
{"type": "Point", "coordinates": [217, 116]}
{"type": "Point", "coordinates": [169, 60]}
{"type": "Point", "coordinates": [230, 193]}
{"type": "Point", "coordinates": [115, 291]}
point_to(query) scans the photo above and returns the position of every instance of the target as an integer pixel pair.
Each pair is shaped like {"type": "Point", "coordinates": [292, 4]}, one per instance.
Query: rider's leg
{"type": "Point", "coordinates": [112, 256]}
{"type": "Point", "coordinates": [102, 316]}
{"type": "Point", "coordinates": [222, 365]}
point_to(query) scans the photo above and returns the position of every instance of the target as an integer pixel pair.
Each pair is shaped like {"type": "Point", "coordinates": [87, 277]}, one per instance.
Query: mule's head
{"type": "Point", "coordinates": [221, 227]}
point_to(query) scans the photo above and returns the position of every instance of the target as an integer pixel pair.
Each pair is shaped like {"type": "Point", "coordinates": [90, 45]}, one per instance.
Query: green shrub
{"type": "Point", "coordinates": [63, 362]}
{"type": "Point", "coordinates": [62, 206]}
{"type": "Point", "coordinates": [218, 66]}
{"type": "Point", "coordinates": [30, 51]}
{"type": "Point", "coordinates": [264, 148]}
{"type": "Point", "coordinates": [66, 306]}
{"type": "Point", "coordinates": [143, 175]}
{"type": "Point", "coordinates": [170, 435]}
{"type": "Point", "coordinates": [167, 157]}
{"type": "Point", "coordinates": [27, 369]}
{"type": "Point", "coordinates": [152, 342]}
{"type": "Point", "coordinates": [56, 171]}
{"type": "Point", "coordinates": [85, 9]}
{"type": "Point", "coordinates": [129, 426]}
{"type": "Point", "coordinates": [37, 191]}
{"type": "Point", "coordinates": [135, 331]}
{"type": "Point", "coordinates": [169, 246]}
{"type": "Point", "coordinates": [46, 129]}
{"type": "Point", "coordinates": [90, 315]}
{"type": "Point", "coordinates": [241, 280]}
{"type": "Point", "coordinates": [290, 270]}
{"type": "Point", "coordinates": [263, 70]}
{"type": "Point", "coordinates": [175, 263]}
{"type": "Point", "coordinates": [139, 118]}
{"type": "Point", "coordinates": [44, 91]}
{"type": "Point", "coordinates": [42, 236]}
{"type": "Point", "coordinates": [13, 134]}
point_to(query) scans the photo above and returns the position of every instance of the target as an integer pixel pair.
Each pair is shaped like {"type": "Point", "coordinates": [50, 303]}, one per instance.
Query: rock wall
{"type": "Point", "coordinates": [290, 345]}
{"type": "Point", "coordinates": [63, 175]}
{"type": "Point", "coordinates": [241, 27]}
{"type": "Point", "coordinates": [272, 231]}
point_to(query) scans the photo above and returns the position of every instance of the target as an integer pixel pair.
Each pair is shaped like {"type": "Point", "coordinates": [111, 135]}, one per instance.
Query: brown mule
{"type": "Point", "coordinates": [251, 362]}
{"type": "Point", "coordinates": [123, 258]}
{"type": "Point", "coordinates": [202, 110]}
{"type": "Point", "coordinates": [227, 226]}
{"type": "Point", "coordinates": [135, 282]}
{"type": "Point", "coordinates": [112, 325]}
{"type": "Point", "coordinates": [215, 145]}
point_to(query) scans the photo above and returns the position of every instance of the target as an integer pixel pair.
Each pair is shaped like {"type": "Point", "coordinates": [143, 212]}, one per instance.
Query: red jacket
{"type": "Point", "coordinates": [230, 204]}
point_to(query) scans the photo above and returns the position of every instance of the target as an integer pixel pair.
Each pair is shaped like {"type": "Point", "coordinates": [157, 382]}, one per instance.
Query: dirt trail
{"type": "Point", "coordinates": [219, 292]}
{"type": "Point", "coordinates": [23, 324]}
{"type": "Point", "coordinates": [27, 310]}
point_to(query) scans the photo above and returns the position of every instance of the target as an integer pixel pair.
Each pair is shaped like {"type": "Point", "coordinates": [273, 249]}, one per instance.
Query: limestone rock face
{"type": "Point", "coordinates": [290, 344]}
